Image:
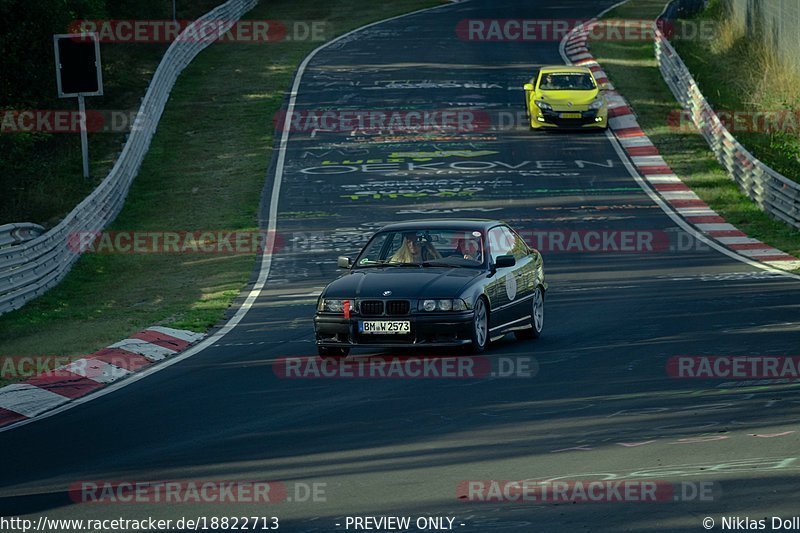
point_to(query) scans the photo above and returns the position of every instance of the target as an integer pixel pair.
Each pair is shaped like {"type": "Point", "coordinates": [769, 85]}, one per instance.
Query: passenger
{"type": "Point", "coordinates": [414, 250]}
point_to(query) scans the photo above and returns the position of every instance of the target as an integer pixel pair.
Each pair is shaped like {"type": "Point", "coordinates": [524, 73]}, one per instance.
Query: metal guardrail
{"type": "Point", "coordinates": [11, 234]}
{"type": "Point", "coordinates": [30, 268]}
{"type": "Point", "coordinates": [774, 193]}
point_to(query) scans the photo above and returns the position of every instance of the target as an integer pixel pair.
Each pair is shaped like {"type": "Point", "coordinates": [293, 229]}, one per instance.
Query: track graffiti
{"type": "Point", "coordinates": [460, 166]}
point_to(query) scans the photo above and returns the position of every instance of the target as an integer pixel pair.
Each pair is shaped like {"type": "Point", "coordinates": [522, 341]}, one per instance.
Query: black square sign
{"type": "Point", "coordinates": [78, 65]}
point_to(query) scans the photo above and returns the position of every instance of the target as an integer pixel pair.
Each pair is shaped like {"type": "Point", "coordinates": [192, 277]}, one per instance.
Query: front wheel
{"type": "Point", "coordinates": [480, 327]}
{"type": "Point", "coordinates": [537, 318]}
{"type": "Point", "coordinates": [330, 352]}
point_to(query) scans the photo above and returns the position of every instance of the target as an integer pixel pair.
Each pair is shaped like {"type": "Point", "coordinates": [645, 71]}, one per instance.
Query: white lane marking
{"type": "Point", "coordinates": [663, 178]}
{"type": "Point", "coordinates": [301, 295]}
{"type": "Point", "coordinates": [648, 160]}
{"type": "Point", "coordinates": [97, 370]}
{"type": "Point", "coordinates": [577, 49]}
{"type": "Point", "coordinates": [266, 260]}
{"type": "Point", "coordinates": [738, 240]}
{"type": "Point", "coordinates": [182, 334]}
{"type": "Point", "coordinates": [716, 227]}
{"type": "Point", "coordinates": [757, 252]}
{"type": "Point", "coordinates": [788, 265]}
{"type": "Point", "coordinates": [636, 141]}
{"type": "Point", "coordinates": [154, 352]}
{"type": "Point", "coordinates": [623, 121]}
{"type": "Point", "coordinates": [614, 99]}
{"type": "Point", "coordinates": [697, 212]}
{"type": "Point", "coordinates": [679, 195]}
{"type": "Point", "coordinates": [29, 400]}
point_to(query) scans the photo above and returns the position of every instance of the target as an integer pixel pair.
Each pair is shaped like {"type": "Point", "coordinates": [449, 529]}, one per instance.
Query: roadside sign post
{"type": "Point", "coordinates": [79, 74]}
{"type": "Point", "coordinates": [84, 136]}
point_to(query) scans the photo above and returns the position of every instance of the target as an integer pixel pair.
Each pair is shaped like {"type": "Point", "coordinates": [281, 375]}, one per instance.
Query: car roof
{"type": "Point", "coordinates": [444, 223]}
{"type": "Point", "coordinates": [564, 68]}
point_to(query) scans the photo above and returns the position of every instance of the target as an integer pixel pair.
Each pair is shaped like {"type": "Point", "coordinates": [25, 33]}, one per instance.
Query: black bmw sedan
{"type": "Point", "coordinates": [433, 283]}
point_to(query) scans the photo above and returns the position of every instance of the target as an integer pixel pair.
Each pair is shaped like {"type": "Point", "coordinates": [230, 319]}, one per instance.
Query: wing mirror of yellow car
{"type": "Point", "coordinates": [528, 86]}
{"type": "Point", "coordinates": [604, 87]}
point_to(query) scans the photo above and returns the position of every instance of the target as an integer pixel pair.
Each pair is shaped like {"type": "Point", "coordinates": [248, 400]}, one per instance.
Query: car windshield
{"type": "Point", "coordinates": [567, 81]}
{"type": "Point", "coordinates": [424, 247]}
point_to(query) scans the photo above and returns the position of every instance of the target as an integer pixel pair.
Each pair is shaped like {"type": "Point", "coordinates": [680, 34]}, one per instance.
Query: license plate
{"type": "Point", "coordinates": [385, 327]}
{"type": "Point", "coordinates": [570, 115]}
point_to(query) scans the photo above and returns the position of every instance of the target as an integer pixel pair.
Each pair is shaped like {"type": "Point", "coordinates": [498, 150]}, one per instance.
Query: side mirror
{"type": "Point", "coordinates": [344, 262]}
{"type": "Point", "coordinates": [604, 87]}
{"type": "Point", "coordinates": [528, 86]}
{"type": "Point", "coordinates": [505, 261]}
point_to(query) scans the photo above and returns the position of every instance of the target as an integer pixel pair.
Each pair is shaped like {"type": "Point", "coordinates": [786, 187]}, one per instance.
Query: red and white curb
{"type": "Point", "coordinates": [655, 170]}
{"type": "Point", "coordinates": [25, 400]}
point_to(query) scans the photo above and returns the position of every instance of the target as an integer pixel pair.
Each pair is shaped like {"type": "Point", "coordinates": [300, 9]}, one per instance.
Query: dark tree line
{"type": "Point", "coordinates": [27, 66]}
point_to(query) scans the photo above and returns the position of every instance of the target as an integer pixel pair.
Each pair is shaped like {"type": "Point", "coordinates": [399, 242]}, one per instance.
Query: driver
{"type": "Point", "coordinates": [470, 249]}
{"type": "Point", "coordinates": [414, 250]}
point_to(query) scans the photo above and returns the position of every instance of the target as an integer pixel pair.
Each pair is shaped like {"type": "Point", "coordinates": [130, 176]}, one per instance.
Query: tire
{"type": "Point", "coordinates": [329, 352]}
{"type": "Point", "coordinates": [528, 114]}
{"type": "Point", "coordinates": [480, 327]}
{"type": "Point", "coordinates": [537, 318]}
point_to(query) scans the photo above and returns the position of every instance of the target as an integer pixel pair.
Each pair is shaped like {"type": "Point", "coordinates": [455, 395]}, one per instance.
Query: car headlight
{"type": "Point", "coordinates": [543, 105]}
{"type": "Point", "coordinates": [597, 104]}
{"type": "Point", "coordinates": [331, 306]}
{"type": "Point", "coordinates": [442, 305]}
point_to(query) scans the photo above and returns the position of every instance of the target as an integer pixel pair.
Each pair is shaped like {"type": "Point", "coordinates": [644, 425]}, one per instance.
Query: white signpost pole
{"type": "Point", "coordinates": [84, 136]}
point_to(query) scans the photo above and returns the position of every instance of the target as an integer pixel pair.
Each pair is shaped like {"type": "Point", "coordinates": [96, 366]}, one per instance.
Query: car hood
{"type": "Point", "coordinates": [404, 282]}
{"type": "Point", "coordinates": [560, 98]}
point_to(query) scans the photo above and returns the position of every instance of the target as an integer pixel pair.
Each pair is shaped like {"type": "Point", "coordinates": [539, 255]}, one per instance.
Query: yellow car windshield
{"type": "Point", "coordinates": [567, 81]}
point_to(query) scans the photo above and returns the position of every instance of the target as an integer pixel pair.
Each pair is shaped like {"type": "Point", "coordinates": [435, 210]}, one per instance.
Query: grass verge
{"type": "Point", "coordinates": [35, 163]}
{"type": "Point", "coordinates": [763, 84]}
{"type": "Point", "coordinates": [632, 67]}
{"type": "Point", "coordinates": [204, 171]}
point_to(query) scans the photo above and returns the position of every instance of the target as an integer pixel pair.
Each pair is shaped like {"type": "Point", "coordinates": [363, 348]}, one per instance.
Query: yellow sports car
{"type": "Point", "coordinates": [565, 97]}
